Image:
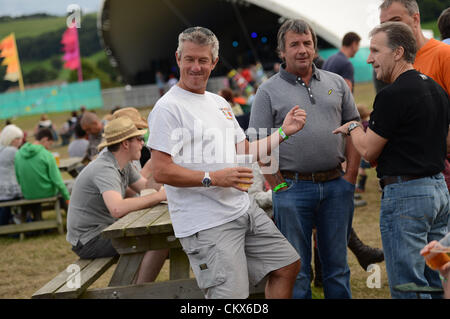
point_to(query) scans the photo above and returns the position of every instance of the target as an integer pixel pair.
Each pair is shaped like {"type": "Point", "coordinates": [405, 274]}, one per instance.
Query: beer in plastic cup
{"type": "Point", "coordinates": [56, 156]}
{"type": "Point", "coordinates": [438, 256]}
{"type": "Point", "coordinates": [244, 160]}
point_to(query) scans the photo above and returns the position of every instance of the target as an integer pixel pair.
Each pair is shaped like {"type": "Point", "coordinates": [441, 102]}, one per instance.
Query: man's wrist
{"type": "Point", "coordinates": [280, 186]}
{"type": "Point", "coordinates": [206, 180]}
{"type": "Point", "coordinates": [353, 125]}
{"type": "Point", "coordinates": [213, 179]}
{"type": "Point", "coordinates": [283, 135]}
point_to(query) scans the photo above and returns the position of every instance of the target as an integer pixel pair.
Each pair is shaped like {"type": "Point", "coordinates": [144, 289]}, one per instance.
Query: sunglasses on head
{"type": "Point", "coordinates": [201, 29]}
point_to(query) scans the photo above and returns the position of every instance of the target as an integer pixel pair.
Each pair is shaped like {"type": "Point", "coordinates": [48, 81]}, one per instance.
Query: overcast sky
{"type": "Point", "coordinates": [54, 7]}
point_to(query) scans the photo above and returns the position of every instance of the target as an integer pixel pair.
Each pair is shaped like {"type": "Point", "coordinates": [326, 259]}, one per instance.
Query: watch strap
{"type": "Point", "coordinates": [353, 126]}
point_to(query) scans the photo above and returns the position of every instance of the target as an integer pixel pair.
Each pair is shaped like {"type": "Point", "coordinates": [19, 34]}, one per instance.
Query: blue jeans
{"type": "Point", "coordinates": [329, 207]}
{"type": "Point", "coordinates": [412, 214]}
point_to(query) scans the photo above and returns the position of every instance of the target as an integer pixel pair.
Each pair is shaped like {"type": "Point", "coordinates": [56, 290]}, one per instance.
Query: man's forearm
{"type": "Point", "coordinates": [129, 205]}
{"type": "Point", "coordinates": [264, 147]}
{"type": "Point", "coordinates": [179, 176]}
{"type": "Point", "coordinates": [353, 161]}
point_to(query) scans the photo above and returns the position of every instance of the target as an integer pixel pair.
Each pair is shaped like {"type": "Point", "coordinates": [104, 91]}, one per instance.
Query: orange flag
{"type": "Point", "coordinates": [8, 49]}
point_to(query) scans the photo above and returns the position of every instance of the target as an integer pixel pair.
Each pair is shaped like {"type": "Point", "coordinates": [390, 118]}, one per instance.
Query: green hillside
{"type": "Point", "coordinates": [40, 50]}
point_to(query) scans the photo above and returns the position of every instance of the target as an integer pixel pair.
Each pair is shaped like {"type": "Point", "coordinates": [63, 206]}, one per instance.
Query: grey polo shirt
{"type": "Point", "coordinates": [88, 214]}
{"type": "Point", "coordinates": [328, 103]}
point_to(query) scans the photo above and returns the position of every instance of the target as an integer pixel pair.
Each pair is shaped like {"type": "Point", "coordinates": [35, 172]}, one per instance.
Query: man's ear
{"type": "Point", "coordinates": [283, 56]}
{"type": "Point", "coordinates": [416, 19]}
{"type": "Point", "coordinates": [215, 63]}
{"type": "Point", "coordinates": [399, 53]}
{"type": "Point", "coordinates": [177, 58]}
{"type": "Point", "coordinates": [126, 144]}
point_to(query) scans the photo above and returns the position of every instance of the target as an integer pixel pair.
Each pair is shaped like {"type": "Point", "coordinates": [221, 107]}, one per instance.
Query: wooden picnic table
{"type": "Point", "coordinates": [70, 165]}
{"type": "Point", "coordinates": [132, 236]}
{"type": "Point", "coordinates": [136, 233]}
{"type": "Point", "coordinates": [24, 227]}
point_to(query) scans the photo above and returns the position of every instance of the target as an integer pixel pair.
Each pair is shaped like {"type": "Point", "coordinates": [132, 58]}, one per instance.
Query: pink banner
{"type": "Point", "coordinates": [72, 51]}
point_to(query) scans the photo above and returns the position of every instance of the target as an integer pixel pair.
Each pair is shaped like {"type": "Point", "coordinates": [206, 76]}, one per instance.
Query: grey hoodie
{"type": "Point", "coordinates": [9, 188]}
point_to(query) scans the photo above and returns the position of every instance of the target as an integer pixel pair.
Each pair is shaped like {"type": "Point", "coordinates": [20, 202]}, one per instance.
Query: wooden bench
{"type": "Point", "coordinates": [36, 225]}
{"type": "Point", "coordinates": [75, 279]}
{"type": "Point", "coordinates": [173, 289]}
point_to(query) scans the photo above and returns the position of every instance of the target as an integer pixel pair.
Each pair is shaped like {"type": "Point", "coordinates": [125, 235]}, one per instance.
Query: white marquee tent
{"type": "Point", "coordinates": [330, 19]}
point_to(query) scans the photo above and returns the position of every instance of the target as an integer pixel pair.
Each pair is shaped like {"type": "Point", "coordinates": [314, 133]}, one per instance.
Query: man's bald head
{"type": "Point", "coordinates": [91, 123]}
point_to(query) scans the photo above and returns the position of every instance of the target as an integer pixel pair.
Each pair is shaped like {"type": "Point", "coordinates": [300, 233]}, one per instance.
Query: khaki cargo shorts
{"type": "Point", "coordinates": [227, 258]}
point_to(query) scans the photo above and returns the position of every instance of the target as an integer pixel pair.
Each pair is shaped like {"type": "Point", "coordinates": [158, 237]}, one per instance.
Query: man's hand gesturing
{"type": "Point", "coordinates": [294, 121]}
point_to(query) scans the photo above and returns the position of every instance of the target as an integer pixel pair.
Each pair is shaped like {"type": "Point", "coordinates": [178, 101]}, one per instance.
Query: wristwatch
{"type": "Point", "coordinates": [352, 126]}
{"type": "Point", "coordinates": [206, 180]}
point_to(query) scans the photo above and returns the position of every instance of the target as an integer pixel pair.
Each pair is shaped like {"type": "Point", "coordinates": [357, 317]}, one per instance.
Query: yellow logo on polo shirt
{"type": "Point", "coordinates": [330, 91]}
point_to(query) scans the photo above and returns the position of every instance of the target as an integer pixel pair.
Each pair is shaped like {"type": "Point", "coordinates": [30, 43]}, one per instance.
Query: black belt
{"type": "Point", "coordinates": [397, 179]}
{"type": "Point", "coordinates": [317, 177]}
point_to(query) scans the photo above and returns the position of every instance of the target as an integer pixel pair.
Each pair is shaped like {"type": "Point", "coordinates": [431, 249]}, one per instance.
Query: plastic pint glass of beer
{"type": "Point", "coordinates": [56, 156]}
{"type": "Point", "coordinates": [244, 160]}
{"type": "Point", "coordinates": [438, 255]}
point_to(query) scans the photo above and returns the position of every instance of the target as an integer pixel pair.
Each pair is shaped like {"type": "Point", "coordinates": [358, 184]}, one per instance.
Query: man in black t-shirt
{"type": "Point", "coordinates": [407, 136]}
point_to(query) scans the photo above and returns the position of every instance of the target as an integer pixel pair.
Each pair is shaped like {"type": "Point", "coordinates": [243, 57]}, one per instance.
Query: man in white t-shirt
{"type": "Point", "coordinates": [194, 139]}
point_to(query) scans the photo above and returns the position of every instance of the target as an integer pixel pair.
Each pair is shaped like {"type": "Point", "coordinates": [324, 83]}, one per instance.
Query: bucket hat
{"type": "Point", "coordinates": [133, 114]}
{"type": "Point", "coordinates": [119, 130]}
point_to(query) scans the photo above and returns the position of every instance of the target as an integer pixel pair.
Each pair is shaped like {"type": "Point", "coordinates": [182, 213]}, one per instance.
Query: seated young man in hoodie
{"type": "Point", "coordinates": [37, 172]}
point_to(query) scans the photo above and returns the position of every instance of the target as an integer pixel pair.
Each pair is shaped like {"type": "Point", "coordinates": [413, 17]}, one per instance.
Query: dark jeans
{"type": "Point", "coordinates": [328, 206]}
{"type": "Point", "coordinates": [97, 247]}
{"type": "Point", "coordinates": [5, 212]}
{"type": "Point", "coordinates": [5, 215]}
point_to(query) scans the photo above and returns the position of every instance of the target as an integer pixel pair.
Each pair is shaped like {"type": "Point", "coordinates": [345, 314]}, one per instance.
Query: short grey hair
{"type": "Point", "coordinates": [398, 34]}
{"type": "Point", "coordinates": [410, 5]}
{"type": "Point", "coordinates": [297, 26]}
{"type": "Point", "coordinates": [200, 36]}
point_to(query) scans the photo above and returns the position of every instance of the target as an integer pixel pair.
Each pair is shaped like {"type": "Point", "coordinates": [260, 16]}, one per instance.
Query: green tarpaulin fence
{"type": "Point", "coordinates": [65, 97]}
